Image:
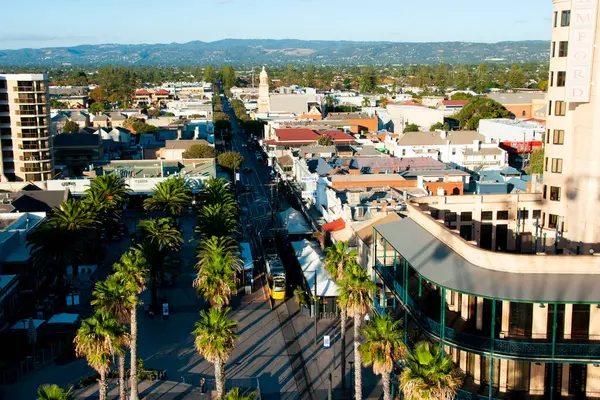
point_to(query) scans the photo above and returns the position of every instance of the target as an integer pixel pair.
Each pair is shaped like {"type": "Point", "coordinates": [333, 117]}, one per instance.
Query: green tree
{"type": "Point", "coordinates": [338, 259]}
{"type": "Point", "coordinates": [216, 191]}
{"type": "Point", "coordinates": [113, 187]}
{"type": "Point", "coordinates": [217, 220]}
{"type": "Point", "coordinates": [309, 76]}
{"type": "Point", "coordinates": [478, 109]}
{"type": "Point", "coordinates": [171, 197]}
{"type": "Point", "coordinates": [217, 267]}
{"type": "Point", "coordinates": [231, 160]}
{"type": "Point", "coordinates": [429, 374]}
{"type": "Point", "coordinates": [70, 127]}
{"type": "Point", "coordinates": [353, 296]}
{"type": "Point", "coordinates": [228, 77]}
{"type": "Point", "coordinates": [98, 107]}
{"type": "Point", "coordinates": [140, 127]}
{"type": "Point", "coordinates": [117, 83]}
{"type": "Point", "coordinates": [59, 105]}
{"type": "Point", "coordinates": [53, 392]}
{"type": "Point", "coordinates": [157, 238]}
{"type": "Point", "coordinates": [515, 77]}
{"type": "Point", "coordinates": [461, 96]}
{"type": "Point", "coordinates": [411, 128]}
{"type": "Point", "coordinates": [214, 340]}
{"type": "Point", "coordinates": [382, 346]}
{"type": "Point", "coordinates": [199, 151]}
{"type": "Point", "coordinates": [440, 78]}
{"type": "Point", "coordinates": [96, 340]}
{"type": "Point", "coordinates": [235, 394]}
{"type": "Point", "coordinates": [461, 78]}
{"type": "Point", "coordinates": [133, 267]}
{"type": "Point", "coordinates": [482, 78]}
{"type": "Point", "coordinates": [209, 74]}
{"type": "Point", "coordinates": [368, 80]}
{"type": "Point", "coordinates": [366, 102]}
{"type": "Point", "coordinates": [117, 295]}
{"type": "Point", "coordinates": [154, 112]}
{"type": "Point", "coordinates": [536, 162]}
{"type": "Point", "coordinates": [439, 125]}
{"type": "Point", "coordinates": [63, 239]}
{"type": "Point", "coordinates": [543, 85]}
{"type": "Point", "coordinates": [324, 140]}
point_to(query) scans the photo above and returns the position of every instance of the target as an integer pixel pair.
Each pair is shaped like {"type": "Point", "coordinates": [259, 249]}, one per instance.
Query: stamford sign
{"type": "Point", "coordinates": [581, 50]}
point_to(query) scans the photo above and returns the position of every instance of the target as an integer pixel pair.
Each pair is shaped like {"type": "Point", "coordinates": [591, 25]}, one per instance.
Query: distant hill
{"type": "Point", "coordinates": [258, 51]}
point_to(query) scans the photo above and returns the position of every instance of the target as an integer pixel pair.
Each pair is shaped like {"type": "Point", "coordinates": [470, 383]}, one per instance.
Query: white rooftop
{"type": "Point", "coordinates": [311, 259]}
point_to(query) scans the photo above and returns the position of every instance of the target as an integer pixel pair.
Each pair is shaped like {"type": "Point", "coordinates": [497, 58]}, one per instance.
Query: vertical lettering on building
{"type": "Point", "coordinates": [581, 50]}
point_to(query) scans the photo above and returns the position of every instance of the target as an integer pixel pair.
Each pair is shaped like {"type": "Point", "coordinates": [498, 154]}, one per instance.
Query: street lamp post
{"type": "Point", "coordinates": [316, 301]}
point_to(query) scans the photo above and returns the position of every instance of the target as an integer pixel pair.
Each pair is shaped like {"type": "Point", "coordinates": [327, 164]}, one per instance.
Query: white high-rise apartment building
{"type": "Point", "coordinates": [572, 160]}
{"type": "Point", "coordinates": [26, 153]}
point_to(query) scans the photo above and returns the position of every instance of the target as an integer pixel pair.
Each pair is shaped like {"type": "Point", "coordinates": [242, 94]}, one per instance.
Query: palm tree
{"type": "Point", "coordinates": [134, 267]}
{"type": "Point", "coordinates": [53, 392]}
{"type": "Point", "coordinates": [111, 186]}
{"type": "Point", "coordinates": [157, 238]}
{"type": "Point", "coordinates": [215, 337]}
{"type": "Point", "coordinates": [337, 260]}
{"type": "Point", "coordinates": [96, 340]}
{"type": "Point", "coordinates": [213, 247]}
{"type": "Point", "coordinates": [217, 220]}
{"type": "Point", "coordinates": [383, 345]}
{"type": "Point", "coordinates": [117, 295]}
{"type": "Point", "coordinates": [215, 191]}
{"type": "Point", "coordinates": [429, 374]}
{"type": "Point", "coordinates": [353, 296]}
{"type": "Point", "coordinates": [171, 196]}
{"type": "Point", "coordinates": [235, 394]}
{"type": "Point", "coordinates": [66, 235]}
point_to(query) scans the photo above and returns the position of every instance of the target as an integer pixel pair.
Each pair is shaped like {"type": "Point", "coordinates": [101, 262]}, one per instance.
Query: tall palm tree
{"type": "Point", "coordinates": [235, 394]}
{"type": "Point", "coordinates": [157, 238]}
{"type": "Point", "coordinates": [96, 340]}
{"type": "Point", "coordinates": [214, 247]}
{"type": "Point", "coordinates": [429, 374]}
{"type": "Point", "coordinates": [353, 296]}
{"type": "Point", "coordinates": [133, 266]}
{"type": "Point", "coordinates": [113, 187]}
{"type": "Point", "coordinates": [217, 220]}
{"type": "Point", "coordinates": [64, 238]}
{"type": "Point", "coordinates": [215, 191]}
{"type": "Point", "coordinates": [214, 339]}
{"type": "Point", "coordinates": [171, 196]}
{"type": "Point", "coordinates": [383, 345]}
{"type": "Point", "coordinates": [53, 392]}
{"type": "Point", "coordinates": [337, 259]}
{"type": "Point", "coordinates": [117, 295]}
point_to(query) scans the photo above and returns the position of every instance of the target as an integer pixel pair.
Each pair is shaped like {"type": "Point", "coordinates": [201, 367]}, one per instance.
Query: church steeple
{"type": "Point", "coordinates": [263, 92]}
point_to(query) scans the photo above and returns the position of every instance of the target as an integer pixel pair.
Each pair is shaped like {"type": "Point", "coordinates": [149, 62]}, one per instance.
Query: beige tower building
{"type": "Point", "coordinates": [263, 92]}
{"type": "Point", "coordinates": [572, 163]}
{"type": "Point", "coordinates": [24, 128]}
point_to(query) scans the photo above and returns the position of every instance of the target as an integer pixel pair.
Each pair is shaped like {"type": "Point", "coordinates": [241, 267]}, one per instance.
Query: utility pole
{"type": "Point", "coordinates": [316, 301]}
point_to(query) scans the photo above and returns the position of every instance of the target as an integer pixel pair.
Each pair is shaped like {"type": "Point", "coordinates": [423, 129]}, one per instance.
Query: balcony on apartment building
{"type": "Point", "coordinates": [41, 145]}
{"type": "Point", "coordinates": [32, 134]}
{"type": "Point", "coordinates": [32, 122]}
{"type": "Point", "coordinates": [29, 87]}
{"type": "Point", "coordinates": [31, 110]}
{"type": "Point", "coordinates": [31, 99]}
{"type": "Point", "coordinates": [35, 157]}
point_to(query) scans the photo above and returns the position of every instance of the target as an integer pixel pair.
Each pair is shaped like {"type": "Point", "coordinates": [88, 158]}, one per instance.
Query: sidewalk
{"type": "Point", "coordinates": [319, 361]}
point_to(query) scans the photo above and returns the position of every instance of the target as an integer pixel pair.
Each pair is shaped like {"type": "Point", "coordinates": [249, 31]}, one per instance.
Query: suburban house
{"type": "Point", "coordinates": [363, 122]}
{"type": "Point", "coordinates": [404, 114]}
{"type": "Point", "coordinates": [521, 105]}
{"type": "Point", "coordinates": [451, 107]}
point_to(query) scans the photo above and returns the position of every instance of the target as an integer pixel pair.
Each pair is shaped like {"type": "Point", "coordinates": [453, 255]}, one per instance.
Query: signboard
{"type": "Point", "coordinates": [309, 194]}
{"type": "Point", "coordinates": [326, 341]}
{"type": "Point", "coordinates": [581, 50]}
{"type": "Point", "coordinates": [308, 179]}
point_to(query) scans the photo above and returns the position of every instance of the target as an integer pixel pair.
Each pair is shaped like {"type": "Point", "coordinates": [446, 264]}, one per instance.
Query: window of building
{"type": "Point", "coordinates": [554, 193]}
{"type": "Point", "coordinates": [502, 215]}
{"type": "Point", "coordinates": [550, 107]}
{"type": "Point", "coordinates": [536, 214]}
{"type": "Point", "coordinates": [552, 221]}
{"type": "Point", "coordinates": [557, 165]}
{"type": "Point", "coordinates": [403, 152]}
{"type": "Point", "coordinates": [450, 217]}
{"type": "Point", "coordinates": [546, 164]}
{"type": "Point", "coordinates": [523, 214]}
{"type": "Point", "coordinates": [561, 77]}
{"type": "Point", "coordinates": [547, 136]}
{"type": "Point", "coordinates": [466, 216]}
{"type": "Point", "coordinates": [558, 136]}
{"type": "Point", "coordinates": [544, 191]}
{"type": "Point", "coordinates": [553, 53]}
{"type": "Point", "coordinates": [453, 152]}
{"type": "Point", "coordinates": [551, 78]}
{"type": "Point", "coordinates": [2, 84]}
{"type": "Point", "coordinates": [435, 214]}
{"type": "Point", "coordinates": [487, 215]}
{"type": "Point", "coordinates": [563, 49]}
{"type": "Point", "coordinates": [560, 108]}
{"type": "Point", "coordinates": [555, 19]}
{"type": "Point", "coordinates": [565, 18]}
{"type": "Point", "coordinates": [3, 96]}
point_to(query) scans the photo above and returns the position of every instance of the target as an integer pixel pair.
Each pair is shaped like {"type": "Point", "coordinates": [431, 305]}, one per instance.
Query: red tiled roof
{"type": "Point", "coordinates": [333, 226]}
{"type": "Point", "coordinates": [162, 92]}
{"type": "Point", "coordinates": [338, 136]}
{"type": "Point", "coordinates": [142, 92]}
{"type": "Point", "coordinates": [295, 134]}
{"type": "Point", "coordinates": [454, 103]}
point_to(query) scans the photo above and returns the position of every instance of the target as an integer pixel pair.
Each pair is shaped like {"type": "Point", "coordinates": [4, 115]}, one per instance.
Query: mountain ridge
{"type": "Point", "coordinates": [279, 51]}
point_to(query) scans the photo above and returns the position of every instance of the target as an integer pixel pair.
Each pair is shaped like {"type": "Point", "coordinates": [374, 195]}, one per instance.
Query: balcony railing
{"type": "Point", "coordinates": [31, 100]}
{"type": "Point", "coordinates": [42, 111]}
{"type": "Point", "coordinates": [32, 135]}
{"type": "Point", "coordinates": [29, 88]}
{"type": "Point", "coordinates": [522, 349]}
{"type": "Point", "coordinates": [36, 158]}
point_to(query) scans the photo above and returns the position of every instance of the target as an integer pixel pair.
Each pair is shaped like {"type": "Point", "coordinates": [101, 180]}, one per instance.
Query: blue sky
{"type": "Point", "coordinates": [43, 23]}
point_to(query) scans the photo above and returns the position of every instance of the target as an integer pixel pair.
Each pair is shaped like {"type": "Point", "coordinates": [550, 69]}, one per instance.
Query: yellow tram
{"type": "Point", "coordinates": [276, 278]}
